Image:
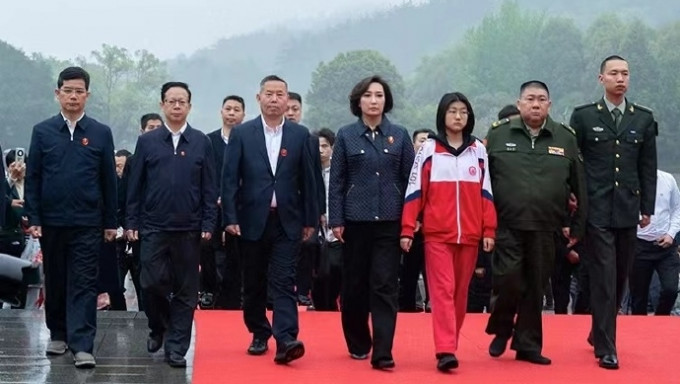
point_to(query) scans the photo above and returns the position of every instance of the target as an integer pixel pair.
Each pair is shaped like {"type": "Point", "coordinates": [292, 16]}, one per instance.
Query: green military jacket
{"type": "Point", "coordinates": [620, 164]}
{"type": "Point", "coordinates": [532, 178]}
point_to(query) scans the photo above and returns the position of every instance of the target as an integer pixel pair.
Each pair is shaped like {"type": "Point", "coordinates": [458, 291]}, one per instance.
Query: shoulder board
{"type": "Point", "coordinates": [568, 128]}
{"type": "Point", "coordinates": [585, 105]}
{"type": "Point", "coordinates": [643, 108]}
{"type": "Point", "coordinates": [498, 123]}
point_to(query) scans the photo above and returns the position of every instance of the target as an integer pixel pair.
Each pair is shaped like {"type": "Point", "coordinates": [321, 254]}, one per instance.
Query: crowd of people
{"type": "Point", "coordinates": [266, 214]}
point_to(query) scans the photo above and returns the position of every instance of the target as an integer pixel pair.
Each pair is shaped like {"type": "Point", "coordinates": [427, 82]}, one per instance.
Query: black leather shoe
{"type": "Point", "coordinates": [498, 346]}
{"type": "Point", "coordinates": [359, 356]}
{"type": "Point", "coordinates": [446, 362]}
{"type": "Point", "coordinates": [258, 347]}
{"type": "Point", "coordinates": [609, 362]}
{"type": "Point", "coordinates": [383, 364]}
{"type": "Point", "coordinates": [154, 343]}
{"type": "Point", "coordinates": [289, 351]}
{"type": "Point", "coordinates": [532, 357]}
{"type": "Point", "coordinates": [175, 360]}
{"type": "Point", "coordinates": [304, 301]}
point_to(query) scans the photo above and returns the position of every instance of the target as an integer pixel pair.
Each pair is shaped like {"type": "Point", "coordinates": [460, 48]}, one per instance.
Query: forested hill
{"type": "Point", "coordinates": [404, 34]}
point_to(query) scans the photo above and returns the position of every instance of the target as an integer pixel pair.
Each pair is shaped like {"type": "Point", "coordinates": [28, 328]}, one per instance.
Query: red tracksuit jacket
{"type": "Point", "coordinates": [451, 194]}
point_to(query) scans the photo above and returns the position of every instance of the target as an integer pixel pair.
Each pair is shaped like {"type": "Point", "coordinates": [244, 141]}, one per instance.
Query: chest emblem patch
{"type": "Point", "coordinates": [556, 151]}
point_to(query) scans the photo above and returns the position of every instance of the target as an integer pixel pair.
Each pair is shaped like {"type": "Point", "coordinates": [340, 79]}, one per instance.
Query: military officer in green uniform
{"type": "Point", "coordinates": [534, 165]}
{"type": "Point", "coordinates": [618, 141]}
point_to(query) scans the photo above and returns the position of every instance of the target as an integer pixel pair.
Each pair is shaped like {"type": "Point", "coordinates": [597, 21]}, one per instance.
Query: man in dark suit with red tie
{"type": "Point", "coordinates": [269, 201]}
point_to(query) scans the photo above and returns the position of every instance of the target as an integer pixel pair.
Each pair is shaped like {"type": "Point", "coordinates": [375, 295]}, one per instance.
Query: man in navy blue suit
{"type": "Point", "coordinates": [269, 201]}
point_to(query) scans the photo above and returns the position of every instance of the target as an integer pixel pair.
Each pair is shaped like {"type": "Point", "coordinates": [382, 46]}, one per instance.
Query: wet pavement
{"type": "Point", "coordinates": [120, 350]}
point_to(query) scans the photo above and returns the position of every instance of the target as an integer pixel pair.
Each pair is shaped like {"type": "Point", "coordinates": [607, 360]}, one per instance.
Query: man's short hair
{"type": "Point", "coordinates": [326, 134]}
{"type": "Point", "coordinates": [607, 59]}
{"type": "Point", "coordinates": [271, 78]}
{"type": "Point", "coordinates": [238, 99]}
{"type": "Point", "coordinates": [507, 111]}
{"type": "Point", "coordinates": [533, 84]}
{"type": "Point", "coordinates": [295, 96]}
{"type": "Point", "coordinates": [74, 73]}
{"type": "Point", "coordinates": [422, 130]}
{"type": "Point", "coordinates": [150, 116]}
{"type": "Point", "coordinates": [123, 152]}
{"type": "Point", "coordinates": [362, 86]}
{"type": "Point", "coordinates": [174, 84]}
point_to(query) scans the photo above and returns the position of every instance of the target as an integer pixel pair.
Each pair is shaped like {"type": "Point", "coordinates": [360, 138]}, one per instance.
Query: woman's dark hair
{"type": "Point", "coordinates": [444, 104]}
{"type": "Point", "coordinates": [361, 87]}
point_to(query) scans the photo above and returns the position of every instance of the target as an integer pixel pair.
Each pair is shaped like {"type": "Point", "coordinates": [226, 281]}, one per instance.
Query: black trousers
{"type": "Point", "coordinates": [560, 280]}
{"type": "Point", "coordinates": [305, 263]}
{"type": "Point", "coordinates": [269, 265]}
{"type": "Point", "coordinates": [370, 285]}
{"type": "Point", "coordinates": [650, 257]}
{"type": "Point", "coordinates": [130, 262]}
{"type": "Point", "coordinates": [609, 255]}
{"type": "Point", "coordinates": [412, 266]}
{"type": "Point", "coordinates": [208, 273]}
{"type": "Point", "coordinates": [109, 277]}
{"type": "Point", "coordinates": [229, 280]}
{"type": "Point", "coordinates": [521, 265]}
{"type": "Point", "coordinates": [169, 281]}
{"type": "Point", "coordinates": [71, 266]}
{"type": "Point", "coordinates": [328, 279]}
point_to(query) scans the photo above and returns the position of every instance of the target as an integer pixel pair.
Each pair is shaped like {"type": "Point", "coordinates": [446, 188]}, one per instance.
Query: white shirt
{"type": "Point", "coordinates": [72, 125]}
{"type": "Point", "coordinates": [272, 139]}
{"type": "Point", "coordinates": [666, 218]}
{"type": "Point", "coordinates": [176, 136]}
{"type": "Point", "coordinates": [328, 234]}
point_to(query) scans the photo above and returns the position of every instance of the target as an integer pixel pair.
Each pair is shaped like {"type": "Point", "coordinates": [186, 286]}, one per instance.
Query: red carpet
{"type": "Point", "coordinates": [648, 353]}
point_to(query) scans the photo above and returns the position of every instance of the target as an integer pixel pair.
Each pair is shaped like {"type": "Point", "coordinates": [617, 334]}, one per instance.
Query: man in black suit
{"type": "Point", "coordinates": [172, 198]}
{"type": "Point", "coordinates": [220, 267]}
{"type": "Point", "coordinates": [71, 207]}
{"type": "Point", "coordinates": [269, 199]}
{"type": "Point", "coordinates": [618, 141]}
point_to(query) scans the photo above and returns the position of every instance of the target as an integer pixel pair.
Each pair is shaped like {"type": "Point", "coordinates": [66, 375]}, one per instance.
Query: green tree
{"type": "Point", "coordinates": [332, 82]}
{"type": "Point", "coordinates": [124, 86]}
{"type": "Point", "coordinates": [27, 87]}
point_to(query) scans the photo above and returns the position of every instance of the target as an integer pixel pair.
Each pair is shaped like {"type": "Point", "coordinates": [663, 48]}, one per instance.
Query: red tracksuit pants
{"type": "Point", "coordinates": [449, 269]}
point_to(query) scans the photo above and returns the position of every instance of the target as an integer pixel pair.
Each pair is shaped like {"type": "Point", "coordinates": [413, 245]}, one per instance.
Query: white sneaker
{"type": "Point", "coordinates": [84, 360]}
{"type": "Point", "coordinates": [56, 347]}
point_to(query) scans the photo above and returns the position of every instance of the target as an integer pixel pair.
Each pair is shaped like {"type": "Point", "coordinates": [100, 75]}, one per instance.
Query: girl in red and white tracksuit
{"type": "Point", "coordinates": [449, 191]}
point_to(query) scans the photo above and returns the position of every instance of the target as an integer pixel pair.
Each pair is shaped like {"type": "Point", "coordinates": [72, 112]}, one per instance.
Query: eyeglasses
{"type": "Point", "coordinates": [181, 103]}
{"type": "Point", "coordinates": [70, 91]}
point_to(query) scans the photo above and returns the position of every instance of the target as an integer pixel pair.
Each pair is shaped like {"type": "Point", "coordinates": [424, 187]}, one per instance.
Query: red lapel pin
{"type": "Point", "coordinates": [390, 139]}
{"type": "Point", "coordinates": [284, 153]}
{"type": "Point", "coordinates": [182, 153]}
{"type": "Point", "coordinates": [85, 141]}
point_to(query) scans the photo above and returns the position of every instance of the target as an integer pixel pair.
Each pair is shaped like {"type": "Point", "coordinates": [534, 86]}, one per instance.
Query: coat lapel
{"type": "Point", "coordinates": [627, 117]}
{"type": "Point", "coordinates": [285, 141]}
{"type": "Point", "coordinates": [606, 116]}
{"type": "Point", "coordinates": [262, 143]}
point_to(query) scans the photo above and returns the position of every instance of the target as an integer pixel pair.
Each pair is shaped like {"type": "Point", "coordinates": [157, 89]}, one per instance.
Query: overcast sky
{"type": "Point", "coordinates": [67, 28]}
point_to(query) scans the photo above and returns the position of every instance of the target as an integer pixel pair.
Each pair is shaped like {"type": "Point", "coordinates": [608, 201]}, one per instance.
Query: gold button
{"type": "Point", "coordinates": [597, 139]}
{"type": "Point", "coordinates": [617, 169]}
{"type": "Point", "coordinates": [617, 142]}
{"type": "Point", "coordinates": [377, 218]}
{"type": "Point", "coordinates": [616, 183]}
{"type": "Point", "coordinates": [617, 155]}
